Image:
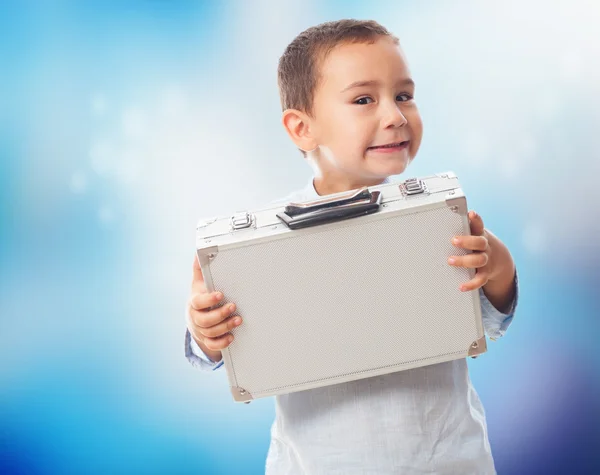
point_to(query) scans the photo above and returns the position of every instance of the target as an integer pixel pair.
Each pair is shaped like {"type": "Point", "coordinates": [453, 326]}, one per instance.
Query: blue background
{"type": "Point", "coordinates": [122, 123]}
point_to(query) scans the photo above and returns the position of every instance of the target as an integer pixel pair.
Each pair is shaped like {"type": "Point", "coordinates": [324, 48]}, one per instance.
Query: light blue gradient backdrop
{"type": "Point", "coordinates": [122, 123]}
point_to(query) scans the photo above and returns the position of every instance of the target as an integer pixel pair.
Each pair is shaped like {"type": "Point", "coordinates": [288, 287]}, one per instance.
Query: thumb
{"type": "Point", "coordinates": [476, 224]}
{"type": "Point", "coordinates": [198, 277]}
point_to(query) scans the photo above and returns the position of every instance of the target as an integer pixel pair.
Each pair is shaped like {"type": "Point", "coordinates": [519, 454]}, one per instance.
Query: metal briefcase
{"type": "Point", "coordinates": [350, 286]}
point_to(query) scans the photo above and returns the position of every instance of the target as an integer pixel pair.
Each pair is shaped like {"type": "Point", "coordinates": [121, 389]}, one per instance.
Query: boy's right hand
{"type": "Point", "coordinates": [209, 328]}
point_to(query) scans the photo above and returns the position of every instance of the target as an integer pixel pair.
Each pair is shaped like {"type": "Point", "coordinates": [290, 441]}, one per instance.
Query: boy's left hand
{"type": "Point", "coordinates": [483, 258]}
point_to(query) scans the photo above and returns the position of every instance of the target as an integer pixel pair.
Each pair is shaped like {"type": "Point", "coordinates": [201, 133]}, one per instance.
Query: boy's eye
{"type": "Point", "coordinates": [403, 97]}
{"type": "Point", "coordinates": [363, 100]}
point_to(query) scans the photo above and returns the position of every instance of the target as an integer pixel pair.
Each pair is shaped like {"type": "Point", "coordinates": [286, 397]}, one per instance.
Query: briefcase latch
{"type": "Point", "coordinates": [241, 221]}
{"type": "Point", "coordinates": [412, 186]}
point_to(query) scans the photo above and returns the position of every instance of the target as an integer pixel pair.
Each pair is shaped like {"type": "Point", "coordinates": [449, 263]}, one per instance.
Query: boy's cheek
{"type": "Point", "coordinates": [417, 125]}
{"type": "Point", "coordinates": [414, 148]}
{"type": "Point", "coordinates": [417, 134]}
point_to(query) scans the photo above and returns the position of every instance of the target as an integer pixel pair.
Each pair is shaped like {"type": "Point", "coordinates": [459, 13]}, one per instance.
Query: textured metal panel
{"type": "Point", "coordinates": [347, 302]}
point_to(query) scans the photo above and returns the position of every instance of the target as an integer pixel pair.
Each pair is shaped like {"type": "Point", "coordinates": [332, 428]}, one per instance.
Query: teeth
{"type": "Point", "coordinates": [398, 144]}
{"type": "Point", "coordinates": [389, 146]}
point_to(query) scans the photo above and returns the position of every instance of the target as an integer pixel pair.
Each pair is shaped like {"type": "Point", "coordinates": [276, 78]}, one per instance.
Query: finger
{"type": "Point", "coordinates": [473, 243]}
{"type": "Point", "coordinates": [472, 261]}
{"type": "Point", "coordinates": [207, 319]}
{"type": "Point", "coordinates": [476, 223]}
{"type": "Point", "coordinates": [219, 343]}
{"type": "Point", "coordinates": [205, 300]}
{"type": "Point", "coordinates": [220, 329]}
{"type": "Point", "coordinates": [197, 271]}
{"type": "Point", "coordinates": [480, 279]}
{"type": "Point", "coordinates": [199, 335]}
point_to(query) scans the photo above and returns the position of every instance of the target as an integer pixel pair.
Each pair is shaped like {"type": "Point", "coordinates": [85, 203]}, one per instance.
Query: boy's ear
{"type": "Point", "coordinates": [298, 126]}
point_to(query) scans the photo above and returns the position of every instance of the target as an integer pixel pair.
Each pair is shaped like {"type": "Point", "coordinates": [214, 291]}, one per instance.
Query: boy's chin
{"type": "Point", "coordinates": [390, 168]}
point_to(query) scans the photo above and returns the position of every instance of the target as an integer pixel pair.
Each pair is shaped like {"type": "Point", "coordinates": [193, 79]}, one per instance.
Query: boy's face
{"type": "Point", "coordinates": [364, 100]}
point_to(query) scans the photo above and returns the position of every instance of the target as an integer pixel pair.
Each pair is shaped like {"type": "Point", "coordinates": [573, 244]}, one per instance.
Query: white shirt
{"type": "Point", "coordinates": [422, 420]}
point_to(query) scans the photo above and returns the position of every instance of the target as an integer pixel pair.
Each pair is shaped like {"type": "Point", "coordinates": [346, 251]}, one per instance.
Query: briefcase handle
{"type": "Point", "coordinates": [331, 209]}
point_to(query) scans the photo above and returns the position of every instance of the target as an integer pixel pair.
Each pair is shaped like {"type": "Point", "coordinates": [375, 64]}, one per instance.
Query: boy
{"type": "Point", "coordinates": [348, 105]}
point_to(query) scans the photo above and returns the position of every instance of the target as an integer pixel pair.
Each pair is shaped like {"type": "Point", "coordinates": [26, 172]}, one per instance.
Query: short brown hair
{"type": "Point", "coordinates": [298, 72]}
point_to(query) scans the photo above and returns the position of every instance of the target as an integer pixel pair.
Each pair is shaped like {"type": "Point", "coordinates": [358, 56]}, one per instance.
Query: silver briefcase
{"type": "Point", "coordinates": [350, 286]}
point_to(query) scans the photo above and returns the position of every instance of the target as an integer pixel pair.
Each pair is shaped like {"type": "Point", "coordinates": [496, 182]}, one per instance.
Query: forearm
{"type": "Point", "coordinates": [500, 289]}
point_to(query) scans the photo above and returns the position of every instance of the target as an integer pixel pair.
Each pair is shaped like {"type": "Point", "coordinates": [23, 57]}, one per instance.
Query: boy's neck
{"type": "Point", "coordinates": [324, 186]}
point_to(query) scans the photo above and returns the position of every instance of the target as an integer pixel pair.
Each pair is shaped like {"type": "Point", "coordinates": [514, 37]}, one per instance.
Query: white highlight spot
{"type": "Point", "coordinates": [78, 184]}
{"type": "Point", "coordinates": [128, 168]}
{"type": "Point", "coordinates": [133, 124]}
{"type": "Point", "coordinates": [106, 215]}
{"type": "Point", "coordinates": [102, 157]}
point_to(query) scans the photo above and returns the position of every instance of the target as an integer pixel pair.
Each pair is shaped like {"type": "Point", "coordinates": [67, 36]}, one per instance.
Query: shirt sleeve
{"type": "Point", "coordinates": [495, 322]}
{"type": "Point", "coordinates": [197, 357]}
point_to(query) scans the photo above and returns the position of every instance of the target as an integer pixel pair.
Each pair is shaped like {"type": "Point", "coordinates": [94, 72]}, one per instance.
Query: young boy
{"type": "Point", "coordinates": [348, 101]}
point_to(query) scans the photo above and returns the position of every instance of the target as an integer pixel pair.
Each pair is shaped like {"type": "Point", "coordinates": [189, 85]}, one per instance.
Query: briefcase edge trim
{"type": "Point", "coordinates": [345, 378]}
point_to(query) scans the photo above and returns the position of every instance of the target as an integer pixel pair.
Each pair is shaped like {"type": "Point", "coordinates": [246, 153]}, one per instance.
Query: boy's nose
{"type": "Point", "coordinates": [394, 117]}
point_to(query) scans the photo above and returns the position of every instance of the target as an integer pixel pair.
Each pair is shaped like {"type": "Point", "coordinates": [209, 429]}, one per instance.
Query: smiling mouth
{"type": "Point", "coordinates": [394, 146]}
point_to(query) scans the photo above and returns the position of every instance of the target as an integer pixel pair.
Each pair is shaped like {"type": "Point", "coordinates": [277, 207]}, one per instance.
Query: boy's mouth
{"type": "Point", "coordinates": [390, 147]}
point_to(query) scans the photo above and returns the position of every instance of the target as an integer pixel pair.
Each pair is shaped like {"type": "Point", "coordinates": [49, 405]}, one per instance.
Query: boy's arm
{"type": "Point", "coordinates": [495, 278]}
{"type": "Point", "coordinates": [499, 295]}
{"type": "Point", "coordinates": [500, 289]}
{"type": "Point", "coordinates": [197, 357]}
{"type": "Point", "coordinates": [496, 322]}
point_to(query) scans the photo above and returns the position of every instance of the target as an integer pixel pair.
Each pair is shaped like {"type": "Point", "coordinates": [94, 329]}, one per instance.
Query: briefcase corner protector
{"type": "Point", "coordinates": [478, 347]}
{"type": "Point", "coordinates": [241, 395]}
{"type": "Point", "coordinates": [458, 204]}
{"type": "Point", "coordinates": [206, 254]}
